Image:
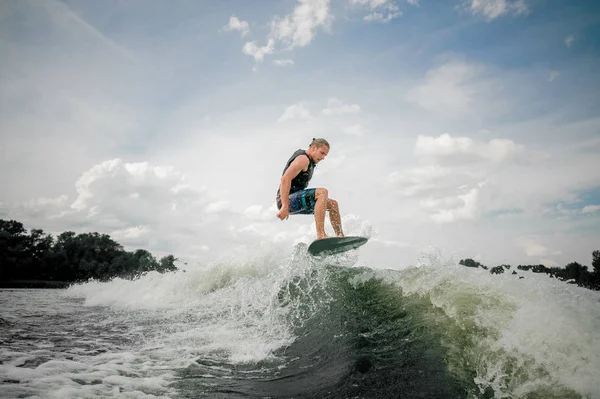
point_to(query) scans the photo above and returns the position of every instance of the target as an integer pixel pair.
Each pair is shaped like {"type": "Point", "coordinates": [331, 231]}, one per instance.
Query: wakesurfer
{"type": "Point", "coordinates": [293, 196]}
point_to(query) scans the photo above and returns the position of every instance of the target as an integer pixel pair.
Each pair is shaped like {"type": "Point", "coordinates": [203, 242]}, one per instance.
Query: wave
{"type": "Point", "coordinates": [269, 325]}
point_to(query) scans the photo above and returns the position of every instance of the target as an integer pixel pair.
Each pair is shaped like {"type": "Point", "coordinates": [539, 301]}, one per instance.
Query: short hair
{"type": "Point", "coordinates": [319, 143]}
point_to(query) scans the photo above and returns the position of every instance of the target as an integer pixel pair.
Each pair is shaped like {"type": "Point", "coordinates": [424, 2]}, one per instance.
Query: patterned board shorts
{"type": "Point", "coordinates": [301, 202]}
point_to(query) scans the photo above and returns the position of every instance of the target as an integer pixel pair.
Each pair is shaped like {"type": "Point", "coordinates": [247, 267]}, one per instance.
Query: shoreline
{"type": "Point", "coordinates": [35, 284]}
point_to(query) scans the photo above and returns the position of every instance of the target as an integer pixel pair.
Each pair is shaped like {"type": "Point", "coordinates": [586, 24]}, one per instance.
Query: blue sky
{"type": "Point", "coordinates": [471, 126]}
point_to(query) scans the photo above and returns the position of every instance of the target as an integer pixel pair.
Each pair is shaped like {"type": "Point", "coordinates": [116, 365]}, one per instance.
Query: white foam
{"type": "Point", "coordinates": [173, 290]}
{"type": "Point", "coordinates": [230, 307]}
{"type": "Point", "coordinates": [540, 327]}
{"type": "Point", "coordinates": [228, 311]}
{"type": "Point", "coordinates": [90, 377]}
{"type": "Point", "coordinates": [519, 334]}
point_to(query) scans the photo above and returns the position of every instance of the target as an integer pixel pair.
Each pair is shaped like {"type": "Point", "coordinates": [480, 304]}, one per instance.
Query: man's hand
{"type": "Point", "coordinates": [283, 213]}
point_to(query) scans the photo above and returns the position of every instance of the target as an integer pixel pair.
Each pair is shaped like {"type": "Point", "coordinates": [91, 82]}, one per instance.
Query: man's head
{"type": "Point", "coordinates": [318, 149]}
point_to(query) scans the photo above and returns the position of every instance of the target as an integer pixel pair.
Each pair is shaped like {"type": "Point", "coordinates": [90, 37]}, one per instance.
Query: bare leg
{"type": "Point", "coordinates": [334, 217]}
{"type": "Point", "coordinates": [320, 206]}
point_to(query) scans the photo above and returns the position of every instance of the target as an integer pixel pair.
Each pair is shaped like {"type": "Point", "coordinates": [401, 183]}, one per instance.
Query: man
{"type": "Point", "coordinates": [293, 197]}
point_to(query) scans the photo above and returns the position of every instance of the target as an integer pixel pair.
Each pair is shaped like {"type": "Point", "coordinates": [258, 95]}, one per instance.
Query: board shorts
{"type": "Point", "coordinates": [301, 202]}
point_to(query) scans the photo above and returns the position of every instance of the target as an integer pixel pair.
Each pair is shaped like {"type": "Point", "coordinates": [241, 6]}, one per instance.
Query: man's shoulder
{"type": "Point", "coordinates": [302, 158]}
{"type": "Point", "coordinates": [300, 154]}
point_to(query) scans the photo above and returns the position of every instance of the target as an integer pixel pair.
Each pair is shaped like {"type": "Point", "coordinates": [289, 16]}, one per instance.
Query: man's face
{"type": "Point", "coordinates": [319, 153]}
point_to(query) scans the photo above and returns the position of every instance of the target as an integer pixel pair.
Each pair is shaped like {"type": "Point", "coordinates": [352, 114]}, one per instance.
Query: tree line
{"type": "Point", "coordinates": [69, 257]}
{"type": "Point", "coordinates": [573, 272]}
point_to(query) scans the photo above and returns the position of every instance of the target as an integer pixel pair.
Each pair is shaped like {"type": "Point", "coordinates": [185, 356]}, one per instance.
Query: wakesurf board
{"type": "Point", "coordinates": [335, 245]}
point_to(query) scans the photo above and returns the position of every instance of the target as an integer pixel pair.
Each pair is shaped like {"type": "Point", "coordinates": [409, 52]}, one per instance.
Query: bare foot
{"type": "Point", "coordinates": [340, 235]}
{"type": "Point", "coordinates": [321, 236]}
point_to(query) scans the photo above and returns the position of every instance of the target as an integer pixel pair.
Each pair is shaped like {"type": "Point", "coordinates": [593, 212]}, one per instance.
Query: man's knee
{"type": "Point", "coordinates": [321, 193]}
{"type": "Point", "coordinates": [331, 203]}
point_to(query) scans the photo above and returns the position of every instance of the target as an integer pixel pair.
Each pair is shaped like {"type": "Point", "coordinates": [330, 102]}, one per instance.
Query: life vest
{"type": "Point", "coordinates": [300, 182]}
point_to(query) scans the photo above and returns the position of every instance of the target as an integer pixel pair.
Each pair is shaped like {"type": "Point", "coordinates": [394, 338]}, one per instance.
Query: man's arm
{"type": "Point", "coordinates": [299, 164]}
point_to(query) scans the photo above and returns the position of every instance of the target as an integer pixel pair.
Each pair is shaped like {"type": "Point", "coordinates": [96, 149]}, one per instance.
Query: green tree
{"type": "Point", "coordinates": [13, 248]}
{"type": "Point", "coordinates": [575, 271]}
{"type": "Point", "coordinates": [145, 261]}
{"type": "Point", "coordinates": [167, 264]}
{"type": "Point", "coordinates": [71, 257]}
{"type": "Point", "coordinates": [596, 262]}
{"type": "Point", "coordinates": [122, 265]}
{"type": "Point", "coordinates": [471, 263]}
{"type": "Point", "coordinates": [595, 275]}
{"type": "Point", "coordinates": [65, 257]}
{"type": "Point", "coordinates": [40, 245]}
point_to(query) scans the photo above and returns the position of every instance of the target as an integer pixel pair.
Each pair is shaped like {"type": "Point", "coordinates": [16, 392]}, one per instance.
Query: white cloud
{"type": "Point", "coordinates": [296, 111]}
{"type": "Point", "coordinates": [532, 246]}
{"type": "Point", "coordinates": [353, 130]}
{"type": "Point", "coordinates": [548, 262]}
{"type": "Point", "coordinates": [283, 63]}
{"type": "Point", "coordinates": [129, 234]}
{"type": "Point", "coordinates": [496, 150]}
{"type": "Point", "coordinates": [569, 40]}
{"type": "Point", "coordinates": [298, 28]}
{"type": "Point", "coordinates": [337, 107]}
{"type": "Point", "coordinates": [335, 161]}
{"type": "Point", "coordinates": [217, 207]}
{"type": "Point", "coordinates": [236, 24]}
{"type": "Point", "coordinates": [37, 208]}
{"type": "Point", "coordinates": [258, 52]}
{"type": "Point", "coordinates": [140, 205]}
{"type": "Point", "coordinates": [257, 212]}
{"type": "Point", "coordinates": [43, 202]}
{"type": "Point", "coordinates": [444, 194]}
{"type": "Point", "coordinates": [419, 180]}
{"type": "Point", "coordinates": [381, 10]}
{"type": "Point", "coordinates": [370, 3]}
{"type": "Point", "coordinates": [590, 209]}
{"type": "Point", "coordinates": [493, 9]}
{"type": "Point", "coordinates": [462, 178]}
{"type": "Point", "coordinates": [382, 17]}
{"type": "Point", "coordinates": [443, 145]}
{"type": "Point", "coordinates": [447, 89]}
{"type": "Point", "coordinates": [465, 209]}
{"type": "Point", "coordinates": [253, 211]}
{"type": "Point", "coordinates": [129, 179]}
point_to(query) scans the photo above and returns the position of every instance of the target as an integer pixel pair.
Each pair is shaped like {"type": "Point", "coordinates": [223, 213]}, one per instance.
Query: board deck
{"type": "Point", "coordinates": [335, 245]}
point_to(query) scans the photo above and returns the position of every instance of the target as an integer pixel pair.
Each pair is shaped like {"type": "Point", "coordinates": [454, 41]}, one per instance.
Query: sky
{"type": "Point", "coordinates": [458, 128]}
